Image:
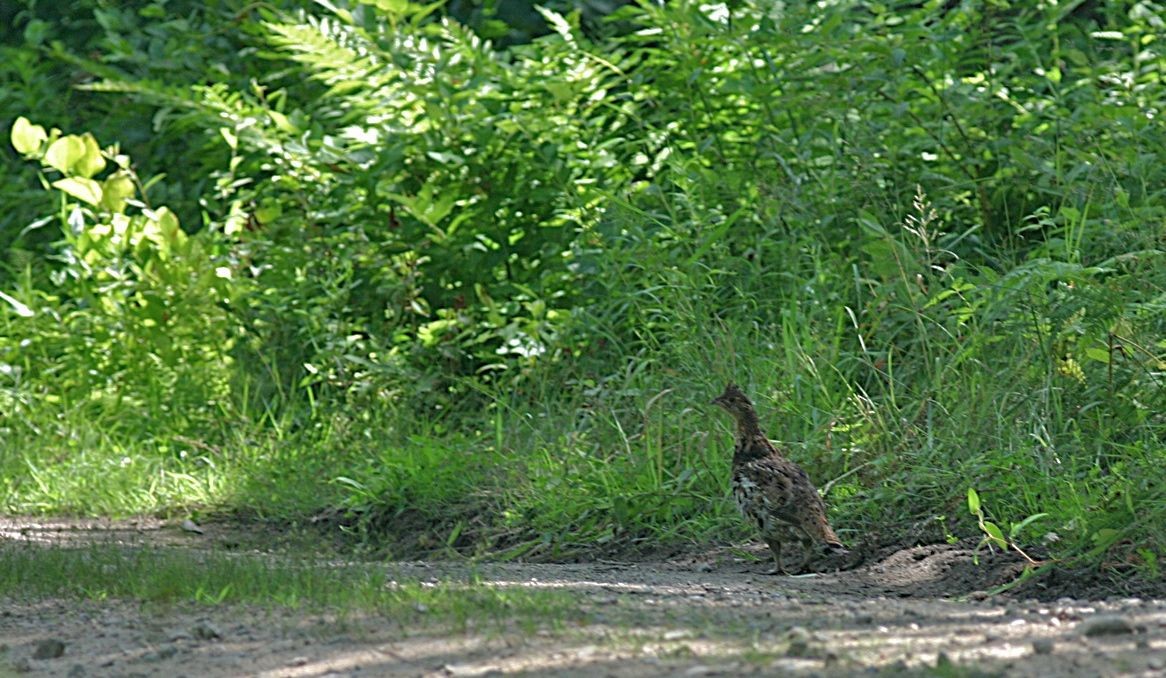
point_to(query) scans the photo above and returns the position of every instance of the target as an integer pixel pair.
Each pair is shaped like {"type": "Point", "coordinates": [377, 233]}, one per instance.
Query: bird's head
{"type": "Point", "coordinates": [734, 401]}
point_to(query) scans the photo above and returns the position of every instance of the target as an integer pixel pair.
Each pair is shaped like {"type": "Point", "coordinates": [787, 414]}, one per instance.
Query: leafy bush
{"type": "Point", "coordinates": [438, 274]}
{"type": "Point", "coordinates": [134, 325]}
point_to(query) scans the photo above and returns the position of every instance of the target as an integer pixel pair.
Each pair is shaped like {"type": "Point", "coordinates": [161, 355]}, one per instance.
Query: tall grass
{"type": "Point", "coordinates": [493, 325]}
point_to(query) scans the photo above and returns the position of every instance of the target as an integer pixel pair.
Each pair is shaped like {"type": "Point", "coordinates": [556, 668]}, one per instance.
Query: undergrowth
{"type": "Point", "coordinates": [451, 298]}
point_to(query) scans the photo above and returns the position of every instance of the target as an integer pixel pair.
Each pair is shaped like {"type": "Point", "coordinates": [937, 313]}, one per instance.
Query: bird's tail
{"type": "Point", "coordinates": [835, 548]}
{"type": "Point", "coordinates": [831, 542]}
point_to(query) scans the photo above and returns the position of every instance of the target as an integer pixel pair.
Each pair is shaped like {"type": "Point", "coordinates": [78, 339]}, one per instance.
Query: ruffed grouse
{"type": "Point", "coordinates": [772, 491]}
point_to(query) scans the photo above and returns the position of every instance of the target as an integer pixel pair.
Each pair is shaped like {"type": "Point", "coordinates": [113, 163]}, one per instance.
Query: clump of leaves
{"type": "Point", "coordinates": [993, 535]}
{"type": "Point", "coordinates": [135, 320]}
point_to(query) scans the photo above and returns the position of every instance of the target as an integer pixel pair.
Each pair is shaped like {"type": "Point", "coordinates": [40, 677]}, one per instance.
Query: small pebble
{"type": "Point", "coordinates": [1105, 625]}
{"type": "Point", "coordinates": [206, 631]}
{"type": "Point", "coordinates": [48, 649]}
{"type": "Point", "coordinates": [799, 642]}
{"type": "Point", "coordinates": [1043, 645]}
{"type": "Point", "coordinates": [162, 653]}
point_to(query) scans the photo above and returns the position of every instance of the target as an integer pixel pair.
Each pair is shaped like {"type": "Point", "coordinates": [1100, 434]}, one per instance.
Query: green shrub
{"type": "Point", "coordinates": [927, 238]}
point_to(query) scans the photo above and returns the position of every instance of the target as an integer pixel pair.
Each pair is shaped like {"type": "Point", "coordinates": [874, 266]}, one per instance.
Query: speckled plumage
{"type": "Point", "coordinates": [773, 493]}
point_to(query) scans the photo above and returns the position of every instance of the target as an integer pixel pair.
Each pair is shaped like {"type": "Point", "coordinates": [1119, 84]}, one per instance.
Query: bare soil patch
{"type": "Point", "coordinates": [916, 610]}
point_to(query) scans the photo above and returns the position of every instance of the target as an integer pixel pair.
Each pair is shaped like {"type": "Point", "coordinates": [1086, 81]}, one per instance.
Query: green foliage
{"type": "Point", "coordinates": [133, 322]}
{"type": "Point", "coordinates": [484, 294]}
{"type": "Point", "coordinates": [993, 535]}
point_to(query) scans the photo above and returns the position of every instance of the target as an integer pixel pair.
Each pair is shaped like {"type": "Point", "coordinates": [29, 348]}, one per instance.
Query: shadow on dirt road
{"type": "Point", "coordinates": [921, 610]}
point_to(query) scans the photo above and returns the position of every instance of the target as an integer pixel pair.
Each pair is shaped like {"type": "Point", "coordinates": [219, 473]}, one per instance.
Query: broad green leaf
{"type": "Point", "coordinates": [90, 162]}
{"type": "Point", "coordinates": [168, 224]}
{"type": "Point", "coordinates": [283, 122]}
{"type": "Point", "coordinates": [1099, 354]}
{"type": "Point", "coordinates": [115, 191]}
{"type": "Point", "coordinates": [27, 138]}
{"type": "Point", "coordinates": [64, 152]}
{"type": "Point", "coordinates": [83, 189]}
{"type": "Point", "coordinates": [163, 230]}
{"type": "Point", "coordinates": [973, 501]}
{"type": "Point", "coordinates": [995, 534]}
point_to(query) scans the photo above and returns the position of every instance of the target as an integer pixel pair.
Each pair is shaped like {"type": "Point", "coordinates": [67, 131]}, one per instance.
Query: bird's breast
{"type": "Point", "coordinates": [751, 500]}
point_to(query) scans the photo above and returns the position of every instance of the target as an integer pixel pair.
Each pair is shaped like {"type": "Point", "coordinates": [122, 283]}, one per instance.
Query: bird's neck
{"type": "Point", "coordinates": [747, 424]}
{"type": "Point", "coordinates": [748, 430]}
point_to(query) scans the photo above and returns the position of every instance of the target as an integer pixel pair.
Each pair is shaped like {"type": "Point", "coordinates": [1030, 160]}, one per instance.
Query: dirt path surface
{"type": "Point", "coordinates": [917, 611]}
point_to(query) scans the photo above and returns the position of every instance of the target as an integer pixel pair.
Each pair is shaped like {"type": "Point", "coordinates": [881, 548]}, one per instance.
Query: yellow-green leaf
{"type": "Point", "coordinates": [27, 138]}
{"type": "Point", "coordinates": [64, 152]}
{"type": "Point", "coordinates": [268, 212]}
{"type": "Point", "coordinates": [995, 534]}
{"type": "Point", "coordinates": [168, 224]}
{"type": "Point", "coordinates": [81, 188]}
{"type": "Point", "coordinates": [230, 136]}
{"type": "Point", "coordinates": [973, 502]}
{"type": "Point", "coordinates": [393, 6]}
{"type": "Point", "coordinates": [115, 191]}
{"type": "Point", "coordinates": [90, 162]}
{"type": "Point", "coordinates": [283, 122]}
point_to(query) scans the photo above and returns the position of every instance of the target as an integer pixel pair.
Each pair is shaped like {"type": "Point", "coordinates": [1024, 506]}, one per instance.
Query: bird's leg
{"type": "Point", "coordinates": [775, 547]}
{"type": "Point", "coordinates": [807, 543]}
{"type": "Point", "coordinates": [806, 553]}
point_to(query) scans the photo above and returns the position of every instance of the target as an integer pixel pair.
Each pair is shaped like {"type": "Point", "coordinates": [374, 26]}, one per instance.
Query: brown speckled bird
{"type": "Point", "coordinates": [773, 492]}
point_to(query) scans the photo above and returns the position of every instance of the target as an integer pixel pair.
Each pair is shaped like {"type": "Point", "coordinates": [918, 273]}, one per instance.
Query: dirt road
{"type": "Point", "coordinates": [919, 611]}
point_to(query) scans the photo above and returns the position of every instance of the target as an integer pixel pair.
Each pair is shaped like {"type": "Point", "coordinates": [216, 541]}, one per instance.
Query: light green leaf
{"type": "Point", "coordinates": [558, 23]}
{"type": "Point", "coordinates": [27, 138]}
{"type": "Point", "coordinates": [392, 6]}
{"type": "Point", "coordinates": [168, 224]}
{"type": "Point", "coordinates": [230, 136]}
{"type": "Point", "coordinates": [973, 501]}
{"type": "Point", "coordinates": [995, 534]}
{"type": "Point", "coordinates": [283, 122]}
{"type": "Point", "coordinates": [64, 152]}
{"type": "Point", "coordinates": [1024, 523]}
{"type": "Point", "coordinates": [90, 162]}
{"type": "Point", "coordinates": [115, 191]}
{"type": "Point", "coordinates": [21, 310]}
{"type": "Point", "coordinates": [83, 189]}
